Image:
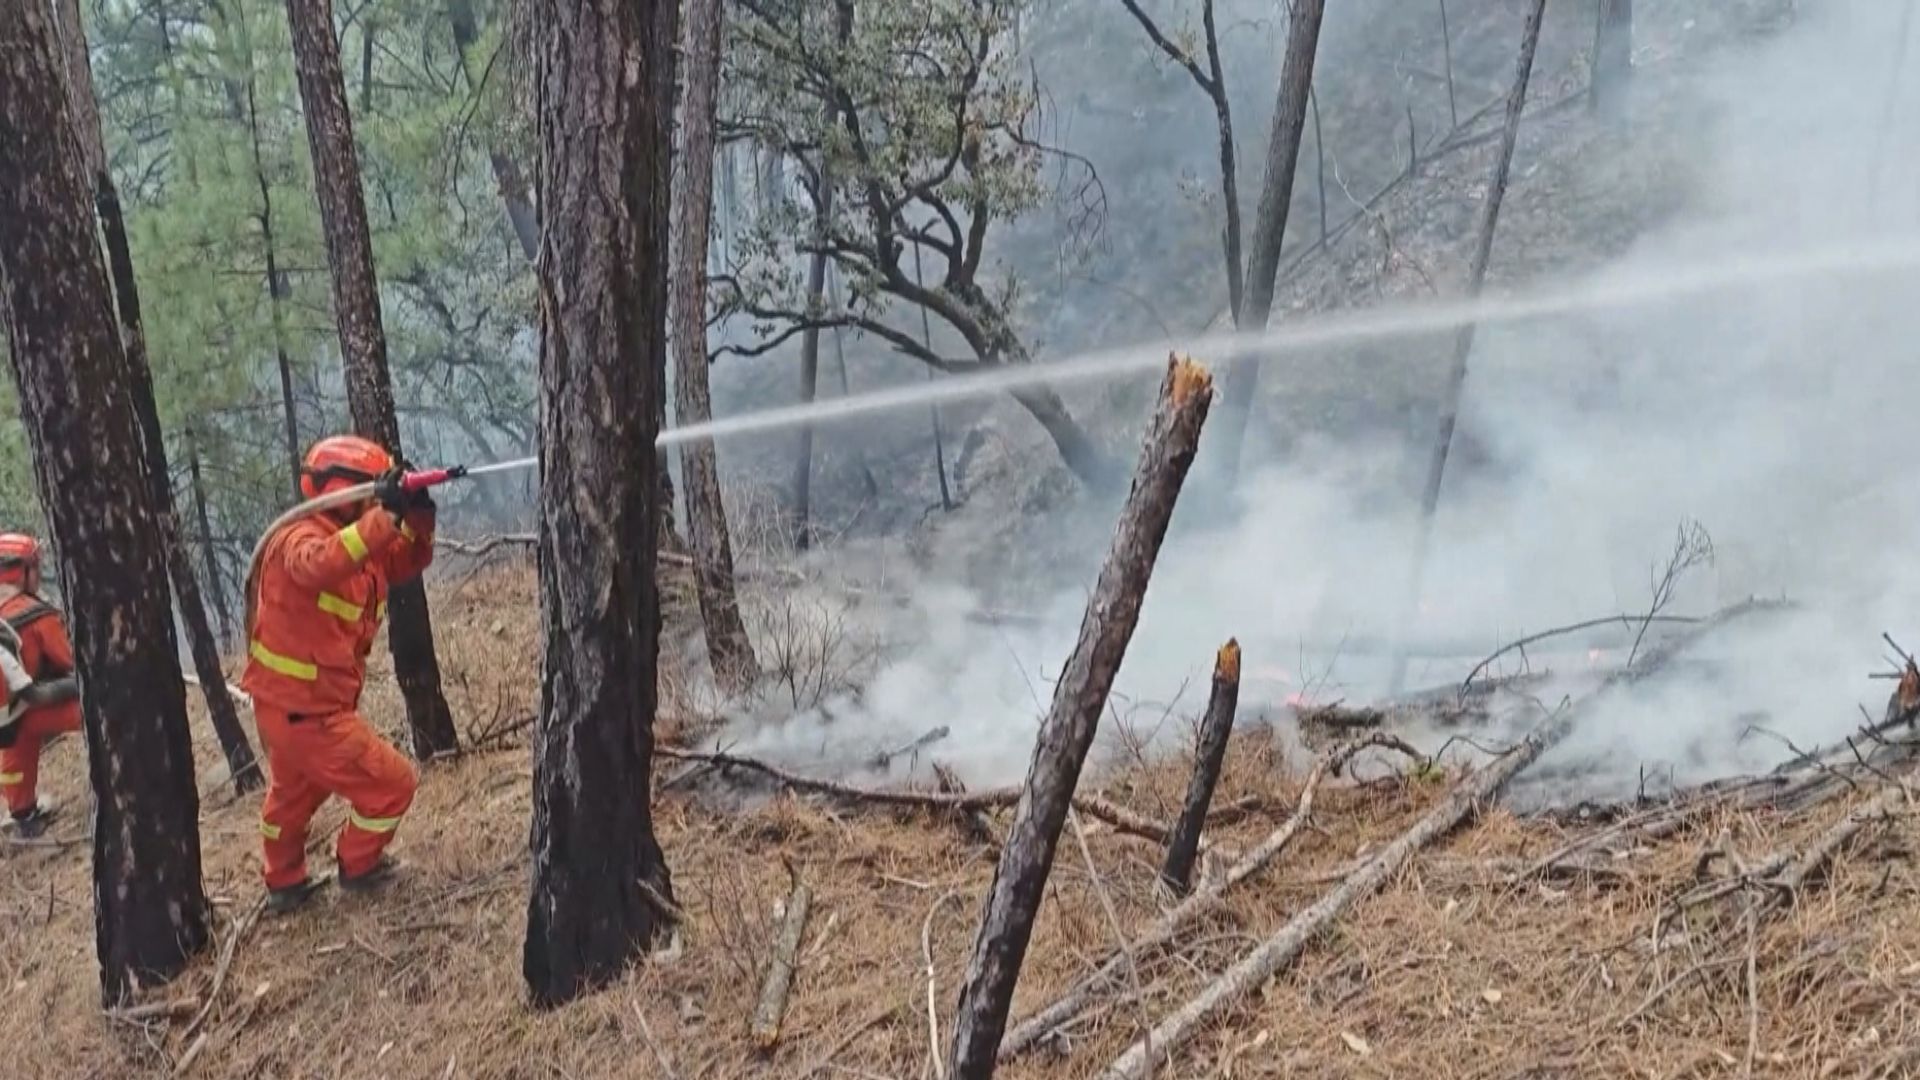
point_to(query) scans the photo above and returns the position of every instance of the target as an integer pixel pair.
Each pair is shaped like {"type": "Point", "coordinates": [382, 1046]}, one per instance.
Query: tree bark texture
{"type": "Point", "coordinates": [1612, 57]}
{"type": "Point", "coordinates": [1209, 753]}
{"type": "Point", "coordinates": [506, 171]}
{"type": "Point", "coordinates": [810, 370]}
{"type": "Point", "coordinates": [276, 292]}
{"type": "Point", "coordinates": [1242, 381]}
{"type": "Point", "coordinates": [363, 342]}
{"type": "Point", "coordinates": [186, 590]}
{"type": "Point", "coordinates": [600, 887]}
{"type": "Point", "coordinates": [150, 913]}
{"type": "Point", "coordinates": [1067, 733]}
{"type": "Point", "coordinates": [1463, 338]}
{"type": "Point", "coordinates": [728, 648]}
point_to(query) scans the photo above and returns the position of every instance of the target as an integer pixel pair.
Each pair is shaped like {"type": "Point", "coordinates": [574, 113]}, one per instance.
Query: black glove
{"type": "Point", "coordinates": [389, 493]}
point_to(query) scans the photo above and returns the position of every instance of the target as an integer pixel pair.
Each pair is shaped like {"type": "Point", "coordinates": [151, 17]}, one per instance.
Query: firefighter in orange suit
{"type": "Point", "coordinates": [43, 699]}
{"type": "Point", "coordinates": [318, 600]}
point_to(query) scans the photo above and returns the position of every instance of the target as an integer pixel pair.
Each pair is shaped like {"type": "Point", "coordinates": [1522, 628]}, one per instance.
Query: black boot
{"type": "Point", "coordinates": [373, 879]}
{"type": "Point", "coordinates": [32, 824]}
{"type": "Point", "coordinates": [293, 897]}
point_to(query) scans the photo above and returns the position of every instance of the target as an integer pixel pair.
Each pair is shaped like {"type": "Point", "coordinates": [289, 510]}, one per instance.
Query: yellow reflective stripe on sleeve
{"type": "Point", "coordinates": [285, 665]}
{"type": "Point", "coordinates": [9, 779]}
{"type": "Point", "coordinates": [270, 831]}
{"type": "Point", "coordinates": [350, 539]}
{"type": "Point", "coordinates": [336, 606]}
{"type": "Point", "coordinates": [374, 824]}
{"type": "Point", "coordinates": [380, 613]}
{"type": "Point", "coordinates": [406, 530]}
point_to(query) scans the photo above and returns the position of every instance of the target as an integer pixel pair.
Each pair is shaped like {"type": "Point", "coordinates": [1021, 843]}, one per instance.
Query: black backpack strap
{"type": "Point", "coordinates": [35, 611]}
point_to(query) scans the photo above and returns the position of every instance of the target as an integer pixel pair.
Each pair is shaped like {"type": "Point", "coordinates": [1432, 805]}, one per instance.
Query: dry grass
{"type": "Point", "coordinates": [1450, 972]}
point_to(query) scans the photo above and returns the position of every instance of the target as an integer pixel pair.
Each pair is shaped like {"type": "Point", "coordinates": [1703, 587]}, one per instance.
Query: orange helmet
{"type": "Point", "coordinates": [19, 553]}
{"type": "Point", "coordinates": [340, 461]}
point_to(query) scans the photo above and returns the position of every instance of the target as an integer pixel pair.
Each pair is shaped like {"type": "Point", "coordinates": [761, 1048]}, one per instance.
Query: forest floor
{"type": "Point", "coordinates": [1453, 970]}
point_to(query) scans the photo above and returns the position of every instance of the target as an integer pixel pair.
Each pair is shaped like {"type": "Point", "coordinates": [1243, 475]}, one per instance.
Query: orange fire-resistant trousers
{"type": "Point", "coordinates": [315, 756]}
{"type": "Point", "coordinates": [20, 763]}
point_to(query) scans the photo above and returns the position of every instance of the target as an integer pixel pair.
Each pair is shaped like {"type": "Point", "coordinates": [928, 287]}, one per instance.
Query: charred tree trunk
{"type": "Point", "coordinates": [810, 366]}
{"type": "Point", "coordinates": [1612, 57]}
{"type": "Point", "coordinates": [1067, 733]}
{"type": "Point", "coordinates": [728, 648]}
{"type": "Point", "coordinates": [150, 913]}
{"type": "Point", "coordinates": [209, 556]}
{"type": "Point", "coordinates": [601, 890]}
{"type": "Point", "coordinates": [1209, 753]}
{"type": "Point", "coordinates": [1463, 338]}
{"type": "Point", "coordinates": [506, 171]}
{"type": "Point", "coordinates": [186, 590]}
{"type": "Point", "coordinates": [1242, 381]}
{"type": "Point", "coordinates": [363, 342]}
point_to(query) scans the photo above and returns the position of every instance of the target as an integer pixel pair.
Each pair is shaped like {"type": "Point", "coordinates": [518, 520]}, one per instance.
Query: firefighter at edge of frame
{"type": "Point", "coordinates": [42, 695]}
{"type": "Point", "coordinates": [317, 602]}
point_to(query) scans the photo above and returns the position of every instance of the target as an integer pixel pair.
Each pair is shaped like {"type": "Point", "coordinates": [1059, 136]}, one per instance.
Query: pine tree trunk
{"type": "Point", "coordinates": [728, 648]}
{"type": "Point", "coordinates": [276, 293]}
{"type": "Point", "coordinates": [150, 913]}
{"type": "Point", "coordinates": [1612, 57]}
{"type": "Point", "coordinates": [506, 171]}
{"type": "Point", "coordinates": [601, 890]}
{"type": "Point", "coordinates": [810, 368]}
{"type": "Point", "coordinates": [363, 342]}
{"type": "Point", "coordinates": [186, 590]}
{"type": "Point", "coordinates": [209, 555]}
{"type": "Point", "coordinates": [1242, 382]}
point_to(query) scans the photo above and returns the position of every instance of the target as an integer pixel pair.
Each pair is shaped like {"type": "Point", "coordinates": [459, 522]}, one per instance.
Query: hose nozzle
{"type": "Point", "coordinates": [421, 479]}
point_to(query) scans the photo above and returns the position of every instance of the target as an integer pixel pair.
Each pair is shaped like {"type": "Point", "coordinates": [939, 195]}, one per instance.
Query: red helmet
{"type": "Point", "coordinates": [19, 553]}
{"type": "Point", "coordinates": [341, 461]}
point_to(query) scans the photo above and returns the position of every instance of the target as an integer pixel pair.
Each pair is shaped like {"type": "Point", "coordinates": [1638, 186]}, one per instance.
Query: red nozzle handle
{"type": "Point", "coordinates": [421, 479]}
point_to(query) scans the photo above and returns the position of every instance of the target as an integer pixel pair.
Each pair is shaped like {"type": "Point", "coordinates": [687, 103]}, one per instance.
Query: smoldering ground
{"type": "Point", "coordinates": [1773, 413]}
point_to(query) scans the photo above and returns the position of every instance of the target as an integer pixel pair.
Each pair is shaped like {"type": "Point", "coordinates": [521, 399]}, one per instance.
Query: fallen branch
{"type": "Point", "coordinates": [1280, 950]}
{"type": "Point", "coordinates": [1094, 806]}
{"type": "Point", "coordinates": [227, 952]}
{"type": "Point", "coordinates": [772, 1009]}
{"type": "Point", "coordinates": [933, 993]}
{"type": "Point", "coordinates": [155, 1010]}
{"type": "Point", "coordinates": [1080, 996]}
{"type": "Point", "coordinates": [1628, 621]}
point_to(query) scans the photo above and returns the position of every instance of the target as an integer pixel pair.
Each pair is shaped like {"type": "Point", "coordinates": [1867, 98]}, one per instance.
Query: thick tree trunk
{"type": "Point", "coordinates": [1067, 733]}
{"type": "Point", "coordinates": [1612, 57]}
{"type": "Point", "coordinates": [209, 556]}
{"type": "Point", "coordinates": [810, 368]}
{"type": "Point", "coordinates": [363, 342]}
{"type": "Point", "coordinates": [1209, 753]}
{"type": "Point", "coordinates": [600, 889]}
{"type": "Point", "coordinates": [1463, 338]}
{"type": "Point", "coordinates": [150, 914]}
{"type": "Point", "coordinates": [1242, 381]}
{"type": "Point", "coordinates": [186, 590]}
{"type": "Point", "coordinates": [506, 171]}
{"type": "Point", "coordinates": [728, 648]}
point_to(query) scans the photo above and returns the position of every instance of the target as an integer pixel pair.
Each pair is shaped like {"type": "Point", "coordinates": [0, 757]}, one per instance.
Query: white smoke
{"type": "Point", "coordinates": [1777, 416]}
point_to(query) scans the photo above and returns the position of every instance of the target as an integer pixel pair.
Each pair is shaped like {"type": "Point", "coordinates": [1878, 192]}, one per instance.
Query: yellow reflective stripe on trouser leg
{"type": "Point", "coordinates": [374, 824]}
{"type": "Point", "coordinates": [9, 779]}
{"type": "Point", "coordinates": [340, 607]}
{"type": "Point", "coordinates": [284, 665]}
{"type": "Point", "coordinates": [269, 830]}
{"type": "Point", "coordinates": [350, 539]}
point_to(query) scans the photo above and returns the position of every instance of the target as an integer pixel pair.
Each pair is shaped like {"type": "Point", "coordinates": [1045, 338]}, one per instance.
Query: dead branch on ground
{"type": "Point", "coordinates": [1628, 621]}
{"type": "Point", "coordinates": [772, 1009]}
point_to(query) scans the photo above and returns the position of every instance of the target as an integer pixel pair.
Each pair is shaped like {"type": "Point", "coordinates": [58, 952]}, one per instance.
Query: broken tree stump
{"type": "Point", "coordinates": [1209, 753]}
{"type": "Point", "coordinates": [1067, 733]}
{"type": "Point", "coordinates": [772, 1009]}
{"type": "Point", "coordinates": [1279, 951]}
{"type": "Point", "coordinates": [1081, 995]}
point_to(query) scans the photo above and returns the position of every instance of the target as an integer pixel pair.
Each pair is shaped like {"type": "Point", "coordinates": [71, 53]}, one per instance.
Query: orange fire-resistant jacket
{"type": "Point", "coordinates": [322, 593]}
